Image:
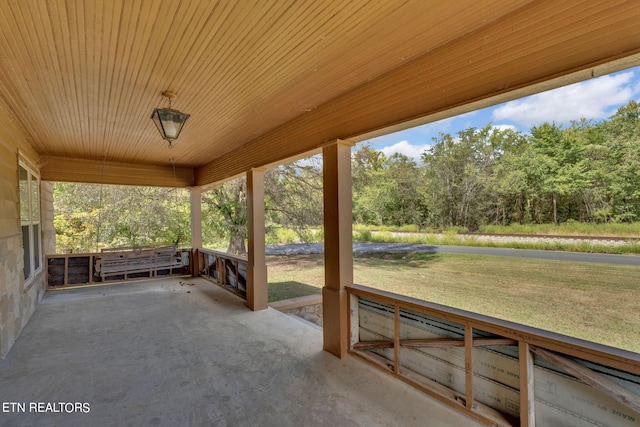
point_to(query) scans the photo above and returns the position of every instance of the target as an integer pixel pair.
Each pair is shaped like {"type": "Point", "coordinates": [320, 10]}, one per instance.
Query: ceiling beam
{"type": "Point", "coordinates": [526, 48]}
{"type": "Point", "coordinates": [61, 169]}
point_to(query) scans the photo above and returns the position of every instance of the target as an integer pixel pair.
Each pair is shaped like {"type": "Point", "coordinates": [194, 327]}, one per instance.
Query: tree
{"type": "Point", "coordinates": [88, 217]}
{"type": "Point", "coordinates": [293, 197]}
{"type": "Point", "coordinates": [404, 201]}
{"type": "Point", "coordinates": [561, 152]}
{"type": "Point", "coordinates": [460, 188]}
{"type": "Point", "coordinates": [371, 191]}
{"type": "Point", "coordinates": [620, 163]}
{"type": "Point", "coordinates": [225, 212]}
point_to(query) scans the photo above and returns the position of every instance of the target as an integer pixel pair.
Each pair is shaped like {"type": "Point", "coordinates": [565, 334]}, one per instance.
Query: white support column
{"type": "Point", "coordinates": [338, 250]}
{"type": "Point", "coordinates": [257, 291]}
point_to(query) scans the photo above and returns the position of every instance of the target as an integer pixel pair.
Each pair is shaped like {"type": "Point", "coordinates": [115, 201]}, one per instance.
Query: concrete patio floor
{"type": "Point", "coordinates": [183, 352]}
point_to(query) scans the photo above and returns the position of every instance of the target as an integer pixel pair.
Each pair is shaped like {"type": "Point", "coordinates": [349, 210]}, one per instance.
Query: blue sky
{"type": "Point", "coordinates": [595, 99]}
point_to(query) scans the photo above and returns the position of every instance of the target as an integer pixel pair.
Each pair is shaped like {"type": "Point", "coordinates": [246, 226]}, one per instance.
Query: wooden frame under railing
{"type": "Point", "coordinates": [78, 269]}
{"type": "Point", "coordinates": [433, 348]}
{"type": "Point", "coordinates": [228, 271]}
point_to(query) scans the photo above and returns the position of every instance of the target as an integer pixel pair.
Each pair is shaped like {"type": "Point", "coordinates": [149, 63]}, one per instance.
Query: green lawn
{"type": "Point", "coordinates": [596, 302]}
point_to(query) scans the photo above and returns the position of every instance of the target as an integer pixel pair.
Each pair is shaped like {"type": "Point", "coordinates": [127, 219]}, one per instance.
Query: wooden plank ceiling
{"type": "Point", "coordinates": [265, 80]}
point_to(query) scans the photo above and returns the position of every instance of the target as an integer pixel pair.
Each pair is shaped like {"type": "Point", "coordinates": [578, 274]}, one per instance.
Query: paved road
{"type": "Point", "coordinates": [317, 248]}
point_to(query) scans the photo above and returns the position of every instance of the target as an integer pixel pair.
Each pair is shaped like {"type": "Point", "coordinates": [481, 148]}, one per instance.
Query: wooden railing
{"type": "Point", "coordinates": [501, 373]}
{"type": "Point", "coordinates": [228, 271]}
{"type": "Point", "coordinates": [67, 270]}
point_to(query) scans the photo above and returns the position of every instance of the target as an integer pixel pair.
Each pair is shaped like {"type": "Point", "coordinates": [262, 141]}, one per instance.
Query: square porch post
{"type": "Point", "coordinates": [338, 249]}
{"type": "Point", "coordinates": [257, 291]}
{"type": "Point", "coordinates": [195, 195]}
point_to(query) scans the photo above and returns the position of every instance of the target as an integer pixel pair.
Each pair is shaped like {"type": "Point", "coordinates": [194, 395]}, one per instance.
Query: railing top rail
{"type": "Point", "coordinates": [223, 254]}
{"type": "Point", "coordinates": [594, 352]}
{"type": "Point", "coordinates": [72, 255]}
{"type": "Point", "coordinates": [84, 254]}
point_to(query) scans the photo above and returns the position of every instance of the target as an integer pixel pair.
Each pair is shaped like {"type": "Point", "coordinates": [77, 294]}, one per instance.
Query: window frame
{"type": "Point", "coordinates": [33, 223]}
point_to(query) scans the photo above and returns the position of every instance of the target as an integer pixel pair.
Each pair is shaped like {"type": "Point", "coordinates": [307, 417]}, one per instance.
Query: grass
{"type": "Point", "coordinates": [568, 229]}
{"type": "Point", "coordinates": [286, 280]}
{"type": "Point", "coordinates": [595, 302]}
{"type": "Point", "coordinates": [456, 240]}
{"type": "Point", "coordinates": [279, 291]}
{"type": "Point", "coordinates": [409, 228]}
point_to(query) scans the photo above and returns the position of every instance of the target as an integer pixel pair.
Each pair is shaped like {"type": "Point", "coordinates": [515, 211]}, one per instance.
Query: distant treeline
{"type": "Point", "coordinates": [586, 172]}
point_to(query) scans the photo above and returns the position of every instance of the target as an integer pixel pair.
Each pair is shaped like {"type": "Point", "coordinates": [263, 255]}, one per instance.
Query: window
{"type": "Point", "coordinates": [30, 221]}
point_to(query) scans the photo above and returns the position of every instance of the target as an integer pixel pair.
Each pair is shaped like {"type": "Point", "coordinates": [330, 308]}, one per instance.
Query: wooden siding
{"type": "Point", "coordinates": [92, 171]}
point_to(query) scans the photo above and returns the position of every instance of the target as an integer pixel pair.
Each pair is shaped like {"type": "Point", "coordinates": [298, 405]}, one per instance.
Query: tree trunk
{"type": "Point", "coordinates": [236, 245]}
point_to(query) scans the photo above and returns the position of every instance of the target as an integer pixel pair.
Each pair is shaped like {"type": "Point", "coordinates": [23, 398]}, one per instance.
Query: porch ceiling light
{"type": "Point", "coordinates": [168, 121]}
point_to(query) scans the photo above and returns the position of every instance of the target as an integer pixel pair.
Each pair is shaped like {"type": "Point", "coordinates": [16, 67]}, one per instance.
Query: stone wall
{"type": "Point", "coordinates": [18, 300]}
{"type": "Point", "coordinates": [311, 313]}
{"type": "Point", "coordinates": [16, 304]}
{"type": "Point", "coordinates": [308, 307]}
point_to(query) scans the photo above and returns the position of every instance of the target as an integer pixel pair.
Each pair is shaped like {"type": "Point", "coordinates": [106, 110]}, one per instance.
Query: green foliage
{"type": "Point", "coordinates": [89, 217]}
{"type": "Point", "coordinates": [370, 188]}
{"type": "Point", "coordinates": [570, 228]}
{"type": "Point", "coordinates": [452, 231]}
{"type": "Point", "coordinates": [362, 236]}
{"type": "Point", "coordinates": [461, 187]}
{"type": "Point", "coordinates": [224, 215]}
{"type": "Point", "coordinates": [293, 207]}
{"type": "Point", "coordinates": [293, 199]}
{"type": "Point", "coordinates": [587, 173]}
{"type": "Point", "coordinates": [407, 228]}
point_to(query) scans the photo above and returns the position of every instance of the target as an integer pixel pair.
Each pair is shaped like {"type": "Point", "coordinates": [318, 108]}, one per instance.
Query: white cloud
{"type": "Point", "coordinates": [505, 127]}
{"type": "Point", "coordinates": [403, 147]}
{"type": "Point", "coordinates": [591, 99]}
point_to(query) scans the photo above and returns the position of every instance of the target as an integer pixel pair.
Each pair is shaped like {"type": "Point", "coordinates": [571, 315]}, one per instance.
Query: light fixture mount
{"type": "Point", "coordinates": [169, 121]}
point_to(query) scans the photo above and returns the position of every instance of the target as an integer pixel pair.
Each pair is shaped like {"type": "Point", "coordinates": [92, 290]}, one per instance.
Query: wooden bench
{"type": "Point", "coordinates": [143, 259]}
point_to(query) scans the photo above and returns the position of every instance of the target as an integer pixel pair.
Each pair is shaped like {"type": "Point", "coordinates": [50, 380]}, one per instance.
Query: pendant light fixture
{"type": "Point", "coordinates": [169, 121]}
